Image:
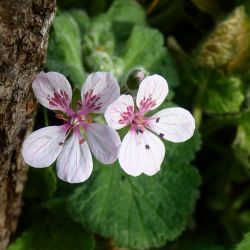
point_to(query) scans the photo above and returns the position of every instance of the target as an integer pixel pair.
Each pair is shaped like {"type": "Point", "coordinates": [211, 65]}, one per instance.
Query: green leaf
{"type": "Point", "coordinates": [245, 243]}
{"type": "Point", "coordinates": [166, 68]}
{"type": "Point", "coordinates": [223, 95]}
{"type": "Point", "coordinates": [82, 20]}
{"type": "Point", "coordinates": [246, 3]}
{"type": "Point", "coordinates": [209, 247]}
{"type": "Point", "coordinates": [182, 152]}
{"type": "Point", "coordinates": [99, 37]}
{"type": "Point", "coordinates": [144, 48]}
{"type": "Point", "coordinates": [241, 144]}
{"type": "Point", "coordinates": [126, 11]}
{"type": "Point", "coordinates": [139, 212]}
{"type": "Point", "coordinates": [206, 247]}
{"type": "Point", "coordinates": [53, 230]}
{"type": "Point", "coordinates": [99, 48]}
{"type": "Point", "coordinates": [41, 183]}
{"type": "Point", "coordinates": [196, 241]}
{"type": "Point", "coordinates": [221, 49]}
{"type": "Point", "coordinates": [64, 51]}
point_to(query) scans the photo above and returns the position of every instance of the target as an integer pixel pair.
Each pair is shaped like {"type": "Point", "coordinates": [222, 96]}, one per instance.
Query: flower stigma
{"type": "Point", "coordinates": [75, 123]}
{"type": "Point", "coordinates": [138, 123]}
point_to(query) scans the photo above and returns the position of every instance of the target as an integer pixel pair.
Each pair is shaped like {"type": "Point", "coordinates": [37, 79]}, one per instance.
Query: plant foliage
{"type": "Point", "coordinates": [200, 198]}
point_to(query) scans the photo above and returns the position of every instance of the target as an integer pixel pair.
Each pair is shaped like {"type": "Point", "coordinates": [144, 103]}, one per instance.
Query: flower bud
{"type": "Point", "coordinates": [135, 78]}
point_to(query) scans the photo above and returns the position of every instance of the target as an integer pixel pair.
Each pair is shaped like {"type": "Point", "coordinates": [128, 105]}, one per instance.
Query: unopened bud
{"type": "Point", "coordinates": [135, 78]}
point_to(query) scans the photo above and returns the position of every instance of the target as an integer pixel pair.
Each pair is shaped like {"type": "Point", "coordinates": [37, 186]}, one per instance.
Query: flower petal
{"type": "Point", "coordinates": [99, 90]}
{"type": "Point", "coordinates": [53, 91]}
{"type": "Point", "coordinates": [152, 92]}
{"type": "Point", "coordinates": [120, 112]}
{"type": "Point", "coordinates": [104, 142]}
{"type": "Point", "coordinates": [141, 153]}
{"type": "Point", "coordinates": [74, 164]}
{"type": "Point", "coordinates": [42, 147]}
{"type": "Point", "coordinates": [173, 124]}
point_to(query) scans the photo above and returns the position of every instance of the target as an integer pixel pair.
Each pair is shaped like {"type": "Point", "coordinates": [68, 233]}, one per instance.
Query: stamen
{"type": "Point", "coordinates": [157, 119]}
{"type": "Point", "coordinates": [89, 119]}
{"type": "Point", "coordinates": [82, 141]}
{"type": "Point", "coordinates": [161, 135]}
{"type": "Point", "coordinates": [147, 146]}
{"type": "Point", "coordinates": [60, 143]}
{"type": "Point", "coordinates": [61, 117]}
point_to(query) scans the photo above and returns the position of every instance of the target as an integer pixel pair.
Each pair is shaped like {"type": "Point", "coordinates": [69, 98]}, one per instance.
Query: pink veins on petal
{"type": "Point", "coordinates": [126, 116]}
{"type": "Point", "coordinates": [90, 102]}
{"type": "Point", "coordinates": [60, 98]}
{"type": "Point", "coordinates": [147, 103]}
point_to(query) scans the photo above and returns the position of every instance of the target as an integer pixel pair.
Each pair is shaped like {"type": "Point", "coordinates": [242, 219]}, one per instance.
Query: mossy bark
{"type": "Point", "coordinates": [24, 27]}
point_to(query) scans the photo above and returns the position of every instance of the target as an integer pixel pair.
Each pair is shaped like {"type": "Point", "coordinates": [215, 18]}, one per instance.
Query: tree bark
{"type": "Point", "coordinates": [24, 26]}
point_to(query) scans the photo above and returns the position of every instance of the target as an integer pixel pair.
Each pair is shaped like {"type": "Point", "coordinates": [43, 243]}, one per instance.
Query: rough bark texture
{"type": "Point", "coordinates": [24, 29]}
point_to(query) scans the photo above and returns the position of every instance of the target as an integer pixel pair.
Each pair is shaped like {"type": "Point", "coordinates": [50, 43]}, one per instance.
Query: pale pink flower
{"type": "Point", "coordinates": [141, 150]}
{"type": "Point", "coordinates": [72, 142]}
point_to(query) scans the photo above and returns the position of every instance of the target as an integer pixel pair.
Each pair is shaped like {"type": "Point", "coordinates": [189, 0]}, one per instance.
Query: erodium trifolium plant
{"type": "Point", "coordinates": [141, 150]}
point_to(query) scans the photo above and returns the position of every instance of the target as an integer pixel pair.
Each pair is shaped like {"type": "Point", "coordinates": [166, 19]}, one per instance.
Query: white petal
{"type": "Point", "coordinates": [173, 124]}
{"type": "Point", "coordinates": [152, 92]}
{"type": "Point", "coordinates": [104, 142]}
{"type": "Point", "coordinates": [141, 153]}
{"type": "Point", "coordinates": [74, 164]}
{"type": "Point", "coordinates": [53, 91]}
{"type": "Point", "coordinates": [99, 90]}
{"type": "Point", "coordinates": [120, 112]}
{"type": "Point", "coordinates": [42, 147]}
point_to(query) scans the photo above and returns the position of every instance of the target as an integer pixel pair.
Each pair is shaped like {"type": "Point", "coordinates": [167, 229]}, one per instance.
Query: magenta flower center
{"type": "Point", "coordinates": [76, 120]}
{"type": "Point", "coordinates": [76, 123]}
{"type": "Point", "coordinates": [138, 123]}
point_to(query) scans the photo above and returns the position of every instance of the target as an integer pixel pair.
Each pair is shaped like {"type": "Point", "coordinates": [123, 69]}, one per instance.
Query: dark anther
{"type": "Point", "coordinates": [157, 119]}
{"type": "Point", "coordinates": [161, 135]}
{"type": "Point", "coordinates": [147, 146]}
{"type": "Point", "coordinates": [139, 131]}
{"type": "Point", "coordinates": [60, 143]}
{"type": "Point", "coordinates": [81, 141]}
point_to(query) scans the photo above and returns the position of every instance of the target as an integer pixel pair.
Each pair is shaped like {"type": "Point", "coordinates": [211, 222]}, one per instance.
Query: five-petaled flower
{"type": "Point", "coordinates": [141, 150]}
{"type": "Point", "coordinates": [70, 142]}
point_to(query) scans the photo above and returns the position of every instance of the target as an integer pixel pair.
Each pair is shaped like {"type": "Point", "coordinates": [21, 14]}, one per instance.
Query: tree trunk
{"type": "Point", "coordinates": [24, 26]}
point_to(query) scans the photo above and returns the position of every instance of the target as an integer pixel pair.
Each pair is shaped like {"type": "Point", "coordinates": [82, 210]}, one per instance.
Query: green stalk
{"type": "Point", "coordinates": [197, 111]}
{"type": "Point", "coordinates": [45, 115]}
